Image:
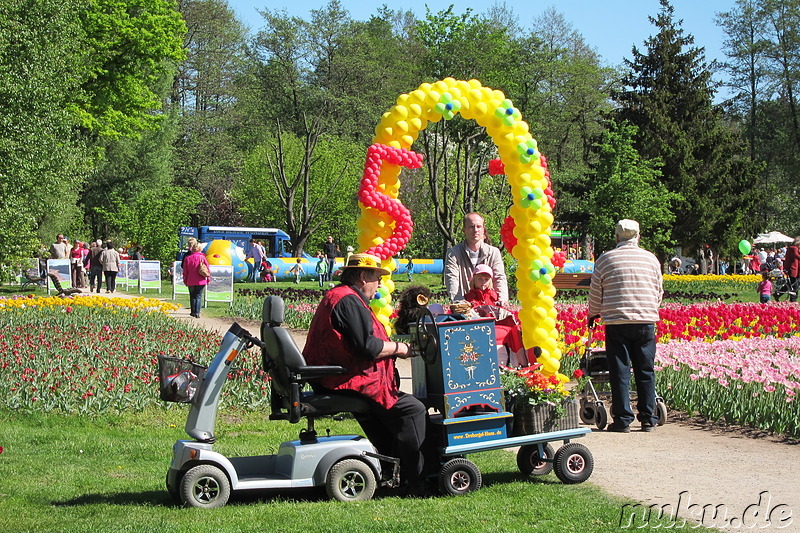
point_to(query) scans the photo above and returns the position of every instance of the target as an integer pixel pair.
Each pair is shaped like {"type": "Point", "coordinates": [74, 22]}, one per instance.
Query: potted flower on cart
{"type": "Point", "coordinates": [540, 403]}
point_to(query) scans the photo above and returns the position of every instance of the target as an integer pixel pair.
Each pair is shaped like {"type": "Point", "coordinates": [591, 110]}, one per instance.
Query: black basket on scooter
{"type": "Point", "coordinates": [179, 379]}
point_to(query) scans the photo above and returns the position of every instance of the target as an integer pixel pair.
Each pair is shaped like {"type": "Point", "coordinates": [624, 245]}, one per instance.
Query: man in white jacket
{"type": "Point", "coordinates": [465, 256]}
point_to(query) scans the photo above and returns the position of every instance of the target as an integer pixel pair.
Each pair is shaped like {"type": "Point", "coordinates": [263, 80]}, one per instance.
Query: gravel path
{"type": "Point", "coordinates": [686, 466]}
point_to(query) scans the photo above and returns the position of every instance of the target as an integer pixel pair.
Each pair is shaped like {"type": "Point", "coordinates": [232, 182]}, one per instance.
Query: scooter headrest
{"type": "Point", "coordinates": [273, 312]}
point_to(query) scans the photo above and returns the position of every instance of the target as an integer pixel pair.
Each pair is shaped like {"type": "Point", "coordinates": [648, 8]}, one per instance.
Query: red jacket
{"type": "Point", "coordinates": [190, 265]}
{"type": "Point", "coordinates": [482, 297]}
{"type": "Point", "coordinates": [791, 262]}
{"type": "Point", "coordinates": [374, 379]}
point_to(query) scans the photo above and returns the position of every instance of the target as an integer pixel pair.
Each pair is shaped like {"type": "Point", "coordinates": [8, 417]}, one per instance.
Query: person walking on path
{"type": "Point", "coordinates": [196, 273]}
{"type": "Point", "coordinates": [626, 291]}
{"type": "Point", "coordinates": [331, 250]}
{"type": "Point", "coordinates": [109, 259]}
{"type": "Point", "coordinates": [95, 266]}
{"type": "Point", "coordinates": [463, 258]}
{"type": "Point", "coordinates": [60, 248]}
{"type": "Point", "coordinates": [764, 288]}
{"type": "Point", "coordinates": [256, 253]}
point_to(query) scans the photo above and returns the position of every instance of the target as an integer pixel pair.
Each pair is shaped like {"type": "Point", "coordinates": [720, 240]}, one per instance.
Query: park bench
{"type": "Point", "coordinates": [572, 281]}
{"type": "Point", "coordinates": [31, 276]}
{"type": "Point", "coordinates": [61, 291]}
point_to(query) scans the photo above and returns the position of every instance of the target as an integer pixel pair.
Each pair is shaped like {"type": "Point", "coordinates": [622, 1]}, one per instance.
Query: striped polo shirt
{"type": "Point", "coordinates": [626, 286]}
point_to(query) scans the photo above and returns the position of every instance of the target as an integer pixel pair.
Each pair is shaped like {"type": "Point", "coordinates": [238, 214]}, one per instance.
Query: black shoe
{"type": "Point", "coordinates": [619, 428]}
{"type": "Point", "coordinates": [648, 428]}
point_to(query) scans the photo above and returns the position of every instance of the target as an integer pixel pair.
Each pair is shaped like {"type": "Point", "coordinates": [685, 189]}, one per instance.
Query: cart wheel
{"type": "Point", "coordinates": [531, 464]}
{"type": "Point", "coordinates": [573, 463]}
{"type": "Point", "coordinates": [661, 409]}
{"type": "Point", "coordinates": [587, 412]}
{"type": "Point", "coordinates": [350, 480]}
{"type": "Point", "coordinates": [459, 476]}
{"type": "Point", "coordinates": [600, 416]}
{"type": "Point", "coordinates": [205, 486]}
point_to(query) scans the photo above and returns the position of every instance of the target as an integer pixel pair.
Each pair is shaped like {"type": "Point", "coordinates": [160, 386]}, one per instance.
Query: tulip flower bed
{"type": "Point", "coordinates": [751, 382]}
{"type": "Point", "coordinates": [734, 362]}
{"type": "Point", "coordinates": [300, 304]}
{"type": "Point", "coordinates": [90, 355]}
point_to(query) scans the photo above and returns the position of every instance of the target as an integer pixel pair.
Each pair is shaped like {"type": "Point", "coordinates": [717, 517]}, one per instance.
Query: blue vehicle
{"type": "Point", "coordinates": [275, 241]}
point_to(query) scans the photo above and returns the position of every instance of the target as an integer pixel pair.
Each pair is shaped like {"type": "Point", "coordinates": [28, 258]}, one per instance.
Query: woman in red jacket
{"type": "Point", "coordinates": [791, 265]}
{"type": "Point", "coordinates": [193, 278]}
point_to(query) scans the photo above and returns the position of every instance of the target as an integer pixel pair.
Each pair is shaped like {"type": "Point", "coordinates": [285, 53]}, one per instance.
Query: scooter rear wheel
{"type": "Point", "coordinates": [350, 480]}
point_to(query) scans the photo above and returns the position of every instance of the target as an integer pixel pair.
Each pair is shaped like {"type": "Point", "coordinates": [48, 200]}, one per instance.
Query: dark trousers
{"type": "Point", "coordinates": [111, 280]}
{"type": "Point", "coordinates": [399, 432]}
{"type": "Point", "coordinates": [329, 275]}
{"type": "Point", "coordinates": [632, 345]}
{"type": "Point", "coordinates": [195, 299]}
{"type": "Point", "coordinates": [794, 287]}
{"type": "Point", "coordinates": [95, 276]}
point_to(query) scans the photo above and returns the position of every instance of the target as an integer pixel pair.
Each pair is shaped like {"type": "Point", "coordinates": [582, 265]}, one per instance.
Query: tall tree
{"type": "Point", "coordinates": [134, 44]}
{"type": "Point", "coordinates": [302, 184]}
{"type": "Point", "coordinates": [746, 67]}
{"type": "Point", "coordinates": [205, 94]}
{"type": "Point", "coordinates": [627, 186]}
{"type": "Point", "coordinates": [668, 95]}
{"type": "Point", "coordinates": [462, 46]}
{"type": "Point", "coordinates": [42, 160]}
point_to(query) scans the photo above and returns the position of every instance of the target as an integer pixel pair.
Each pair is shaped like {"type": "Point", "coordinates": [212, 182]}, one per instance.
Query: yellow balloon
{"type": "Point", "coordinates": [550, 365]}
{"type": "Point", "coordinates": [540, 335]}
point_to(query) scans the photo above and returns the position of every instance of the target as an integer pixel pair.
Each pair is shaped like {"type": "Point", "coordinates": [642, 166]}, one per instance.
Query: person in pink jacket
{"type": "Point", "coordinates": [193, 278]}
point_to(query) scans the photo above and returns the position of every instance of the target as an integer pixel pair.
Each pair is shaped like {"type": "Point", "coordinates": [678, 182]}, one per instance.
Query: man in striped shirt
{"type": "Point", "coordinates": [626, 292]}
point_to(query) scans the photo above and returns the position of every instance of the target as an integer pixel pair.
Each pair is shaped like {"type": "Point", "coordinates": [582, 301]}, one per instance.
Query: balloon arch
{"type": "Point", "coordinates": [385, 224]}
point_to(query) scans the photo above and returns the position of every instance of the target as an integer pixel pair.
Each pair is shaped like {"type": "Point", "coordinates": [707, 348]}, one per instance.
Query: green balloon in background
{"type": "Point", "coordinates": [744, 247]}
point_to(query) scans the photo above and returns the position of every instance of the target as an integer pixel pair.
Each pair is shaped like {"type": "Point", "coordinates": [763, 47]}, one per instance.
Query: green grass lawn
{"type": "Point", "coordinates": [64, 473]}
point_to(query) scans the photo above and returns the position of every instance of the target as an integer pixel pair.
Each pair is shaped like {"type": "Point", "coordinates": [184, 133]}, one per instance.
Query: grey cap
{"type": "Point", "coordinates": [627, 230]}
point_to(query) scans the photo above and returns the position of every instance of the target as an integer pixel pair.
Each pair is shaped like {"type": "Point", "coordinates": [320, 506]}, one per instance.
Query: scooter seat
{"type": "Point", "coordinates": [326, 404]}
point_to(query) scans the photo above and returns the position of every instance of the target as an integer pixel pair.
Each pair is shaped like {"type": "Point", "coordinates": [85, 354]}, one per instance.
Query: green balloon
{"type": "Point", "coordinates": [744, 247]}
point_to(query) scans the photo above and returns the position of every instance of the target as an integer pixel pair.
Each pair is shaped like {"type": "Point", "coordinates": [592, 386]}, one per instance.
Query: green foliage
{"type": "Point", "coordinates": [626, 186]}
{"type": "Point", "coordinates": [42, 163]}
{"type": "Point", "coordinates": [668, 95]}
{"type": "Point", "coordinates": [303, 185]}
{"type": "Point", "coordinates": [210, 138]}
{"type": "Point", "coordinates": [133, 44]}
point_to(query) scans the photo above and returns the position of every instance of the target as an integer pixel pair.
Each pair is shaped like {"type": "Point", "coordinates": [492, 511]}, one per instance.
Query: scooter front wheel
{"type": "Point", "coordinates": [205, 486]}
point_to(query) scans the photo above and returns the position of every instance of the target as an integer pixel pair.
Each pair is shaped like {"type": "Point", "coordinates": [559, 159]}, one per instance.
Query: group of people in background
{"type": "Point", "coordinates": [92, 262]}
{"type": "Point", "coordinates": [786, 262]}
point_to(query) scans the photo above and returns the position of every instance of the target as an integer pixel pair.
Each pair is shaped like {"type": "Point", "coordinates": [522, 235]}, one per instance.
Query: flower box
{"type": "Point", "coordinates": [543, 418]}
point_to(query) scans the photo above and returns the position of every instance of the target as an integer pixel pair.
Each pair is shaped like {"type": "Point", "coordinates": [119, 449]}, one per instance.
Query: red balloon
{"type": "Point", "coordinates": [507, 234]}
{"type": "Point", "coordinates": [496, 167]}
{"type": "Point", "coordinates": [559, 258]}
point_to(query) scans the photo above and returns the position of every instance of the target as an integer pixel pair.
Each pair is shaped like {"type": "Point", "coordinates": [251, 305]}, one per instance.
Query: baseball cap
{"type": "Point", "coordinates": [627, 229]}
{"type": "Point", "coordinates": [483, 269]}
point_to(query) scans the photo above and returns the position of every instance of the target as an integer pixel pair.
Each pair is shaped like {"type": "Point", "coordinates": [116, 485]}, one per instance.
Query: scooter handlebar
{"type": "Point", "coordinates": [242, 333]}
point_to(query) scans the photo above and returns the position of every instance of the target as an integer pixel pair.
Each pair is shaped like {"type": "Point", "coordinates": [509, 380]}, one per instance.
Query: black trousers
{"type": "Point", "coordinates": [399, 432]}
